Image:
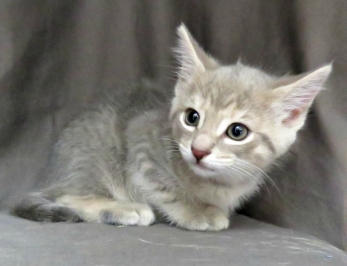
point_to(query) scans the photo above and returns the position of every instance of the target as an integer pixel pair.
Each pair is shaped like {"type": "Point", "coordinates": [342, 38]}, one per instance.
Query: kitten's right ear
{"type": "Point", "coordinates": [297, 96]}
{"type": "Point", "coordinates": [191, 56]}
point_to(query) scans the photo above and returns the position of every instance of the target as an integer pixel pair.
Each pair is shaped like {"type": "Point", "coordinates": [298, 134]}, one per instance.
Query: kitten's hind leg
{"type": "Point", "coordinates": [109, 211]}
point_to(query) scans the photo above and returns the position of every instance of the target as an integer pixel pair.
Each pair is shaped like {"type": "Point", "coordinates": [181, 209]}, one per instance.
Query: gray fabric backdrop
{"type": "Point", "coordinates": [56, 55]}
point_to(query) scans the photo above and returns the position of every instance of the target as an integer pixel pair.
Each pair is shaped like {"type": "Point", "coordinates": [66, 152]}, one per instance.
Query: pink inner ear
{"type": "Point", "coordinates": [293, 115]}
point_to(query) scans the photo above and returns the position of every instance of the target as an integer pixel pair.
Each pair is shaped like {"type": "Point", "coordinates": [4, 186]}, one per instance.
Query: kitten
{"type": "Point", "coordinates": [190, 159]}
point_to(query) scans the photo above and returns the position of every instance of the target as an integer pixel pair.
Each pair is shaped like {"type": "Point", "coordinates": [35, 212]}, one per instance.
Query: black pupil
{"type": "Point", "coordinates": [193, 117]}
{"type": "Point", "coordinates": [237, 131]}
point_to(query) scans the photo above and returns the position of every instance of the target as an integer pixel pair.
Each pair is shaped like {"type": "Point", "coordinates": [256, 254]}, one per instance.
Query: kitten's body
{"type": "Point", "coordinates": [138, 158]}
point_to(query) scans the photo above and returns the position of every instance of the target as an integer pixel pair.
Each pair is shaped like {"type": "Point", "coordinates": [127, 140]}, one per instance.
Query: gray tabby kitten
{"type": "Point", "coordinates": [190, 160]}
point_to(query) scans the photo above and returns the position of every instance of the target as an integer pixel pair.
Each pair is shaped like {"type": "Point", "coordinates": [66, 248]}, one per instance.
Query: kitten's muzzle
{"type": "Point", "coordinates": [198, 154]}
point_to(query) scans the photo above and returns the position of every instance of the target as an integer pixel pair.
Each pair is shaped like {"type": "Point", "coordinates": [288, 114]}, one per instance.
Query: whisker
{"type": "Point", "coordinates": [260, 171]}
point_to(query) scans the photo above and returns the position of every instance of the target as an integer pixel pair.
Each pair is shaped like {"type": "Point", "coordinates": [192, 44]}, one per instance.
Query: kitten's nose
{"type": "Point", "coordinates": [200, 154]}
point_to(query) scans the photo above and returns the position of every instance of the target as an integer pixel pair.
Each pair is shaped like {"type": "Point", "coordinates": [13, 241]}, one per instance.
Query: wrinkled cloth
{"type": "Point", "coordinates": [247, 242]}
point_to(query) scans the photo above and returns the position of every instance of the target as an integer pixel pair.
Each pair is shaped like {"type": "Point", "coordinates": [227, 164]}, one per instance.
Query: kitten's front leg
{"type": "Point", "coordinates": [195, 216]}
{"type": "Point", "coordinates": [170, 200]}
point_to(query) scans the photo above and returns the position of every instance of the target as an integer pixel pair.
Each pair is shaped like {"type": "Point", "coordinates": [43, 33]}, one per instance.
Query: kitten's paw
{"type": "Point", "coordinates": [114, 218]}
{"type": "Point", "coordinates": [212, 219]}
{"type": "Point", "coordinates": [146, 216]}
{"type": "Point", "coordinates": [129, 214]}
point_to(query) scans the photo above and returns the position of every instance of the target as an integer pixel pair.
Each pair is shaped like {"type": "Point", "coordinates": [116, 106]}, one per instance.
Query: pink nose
{"type": "Point", "coordinates": [200, 154]}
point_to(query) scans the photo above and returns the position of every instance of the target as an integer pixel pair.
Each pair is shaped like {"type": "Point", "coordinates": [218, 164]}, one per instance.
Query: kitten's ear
{"type": "Point", "coordinates": [297, 96]}
{"type": "Point", "coordinates": [191, 56]}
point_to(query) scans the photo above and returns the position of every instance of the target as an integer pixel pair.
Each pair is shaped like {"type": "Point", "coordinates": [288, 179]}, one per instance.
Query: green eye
{"type": "Point", "coordinates": [237, 131]}
{"type": "Point", "coordinates": [192, 117]}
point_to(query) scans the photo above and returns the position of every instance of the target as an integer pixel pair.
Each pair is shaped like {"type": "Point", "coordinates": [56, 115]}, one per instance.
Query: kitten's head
{"type": "Point", "coordinates": [234, 120]}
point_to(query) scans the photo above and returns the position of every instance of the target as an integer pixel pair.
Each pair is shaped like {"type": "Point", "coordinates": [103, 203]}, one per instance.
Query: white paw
{"type": "Point", "coordinates": [146, 216]}
{"type": "Point", "coordinates": [212, 219]}
{"type": "Point", "coordinates": [129, 214]}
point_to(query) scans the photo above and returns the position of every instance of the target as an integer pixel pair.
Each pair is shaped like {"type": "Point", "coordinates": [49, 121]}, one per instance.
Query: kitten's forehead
{"type": "Point", "coordinates": [237, 78]}
{"type": "Point", "coordinates": [230, 85]}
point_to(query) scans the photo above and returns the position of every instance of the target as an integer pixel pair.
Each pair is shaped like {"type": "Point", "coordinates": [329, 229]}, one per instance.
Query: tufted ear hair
{"type": "Point", "coordinates": [297, 96]}
{"type": "Point", "coordinates": [191, 56]}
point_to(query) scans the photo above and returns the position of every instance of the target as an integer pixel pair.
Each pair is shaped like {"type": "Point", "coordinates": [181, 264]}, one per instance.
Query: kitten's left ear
{"type": "Point", "coordinates": [297, 97]}
{"type": "Point", "coordinates": [191, 56]}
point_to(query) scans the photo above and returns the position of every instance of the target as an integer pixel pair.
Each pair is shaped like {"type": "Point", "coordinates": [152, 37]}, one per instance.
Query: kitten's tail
{"type": "Point", "coordinates": [37, 208]}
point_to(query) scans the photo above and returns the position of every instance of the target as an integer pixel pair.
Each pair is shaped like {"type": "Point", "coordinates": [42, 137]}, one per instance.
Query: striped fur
{"type": "Point", "coordinates": [130, 161]}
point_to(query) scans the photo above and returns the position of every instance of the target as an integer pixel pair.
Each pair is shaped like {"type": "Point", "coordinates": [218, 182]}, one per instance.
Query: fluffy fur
{"type": "Point", "coordinates": [138, 159]}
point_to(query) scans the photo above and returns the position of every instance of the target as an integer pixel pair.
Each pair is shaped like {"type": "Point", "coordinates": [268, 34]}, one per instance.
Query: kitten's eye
{"type": "Point", "coordinates": [192, 117]}
{"type": "Point", "coordinates": [237, 131]}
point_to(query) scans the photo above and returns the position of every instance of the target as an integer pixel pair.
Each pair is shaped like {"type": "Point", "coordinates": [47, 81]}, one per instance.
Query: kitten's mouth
{"type": "Point", "coordinates": [202, 167]}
